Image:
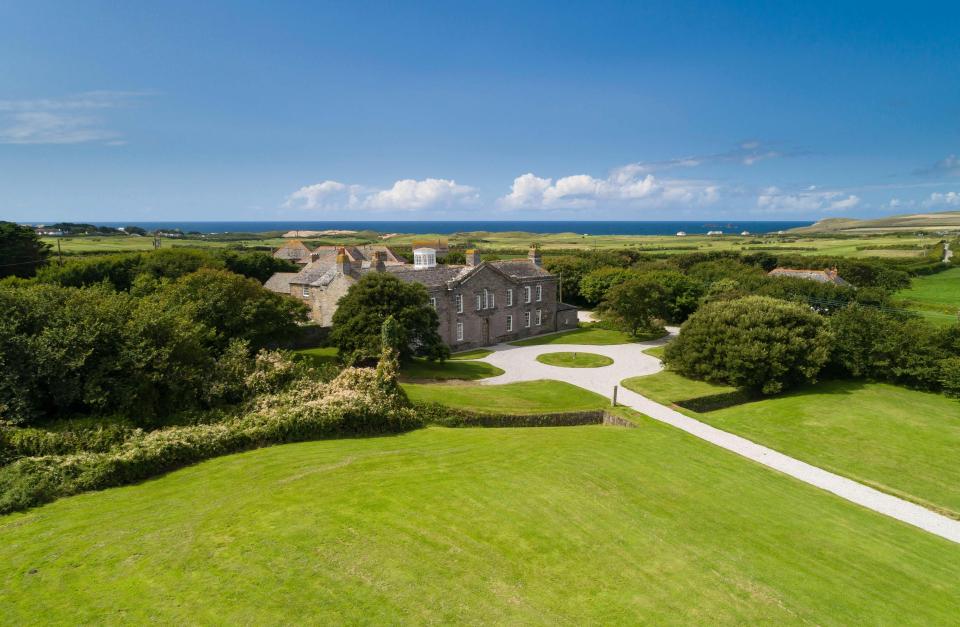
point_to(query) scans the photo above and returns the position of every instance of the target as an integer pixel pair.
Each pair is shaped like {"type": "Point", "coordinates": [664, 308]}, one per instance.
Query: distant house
{"type": "Point", "coordinates": [714, 233]}
{"type": "Point", "coordinates": [681, 233]}
{"type": "Point", "coordinates": [820, 276]}
{"type": "Point", "coordinates": [745, 233]}
{"type": "Point", "coordinates": [479, 303]}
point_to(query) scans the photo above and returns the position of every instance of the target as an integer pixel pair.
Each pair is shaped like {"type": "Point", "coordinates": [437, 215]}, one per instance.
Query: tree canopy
{"type": "Point", "coordinates": [21, 250]}
{"type": "Point", "coordinates": [358, 321]}
{"type": "Point", "coordinates": [755, 343]}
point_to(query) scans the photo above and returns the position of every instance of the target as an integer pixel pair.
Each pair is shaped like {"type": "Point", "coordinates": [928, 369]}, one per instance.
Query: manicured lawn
{"type": "Point", "coordinates": [656, 351]}
{"type": "Point", "coordinates": [455, 368]}
{"type": "Point", "coordinates": [527, 397]}
{"type": "Point", "coordinates": [420, 369]}
{"type": "Point", "coordinates": [901, 441]}
{"type": "Point", "coordinates": [897, 440]}
{"type": "Point", "coordinates": [317, 356]}
{"type": "Point", "coordinates": [477, 353]}
{"type": "Point", "coordinates": [574, 525]}
{"type": "Point", "coordinates": [574, 360]}
{"type": "Point", "coordinates": [583, 335]}
{"type": "Point", "coordinates": [668, 387]}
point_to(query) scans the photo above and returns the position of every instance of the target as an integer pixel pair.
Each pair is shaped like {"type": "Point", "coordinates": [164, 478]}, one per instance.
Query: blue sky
{"type": "Point", "coordinates": [451, 110]}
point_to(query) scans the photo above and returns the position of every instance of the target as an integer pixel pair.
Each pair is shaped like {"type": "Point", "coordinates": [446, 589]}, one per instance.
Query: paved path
{"type": "Point", "coordinates": [519, 364]}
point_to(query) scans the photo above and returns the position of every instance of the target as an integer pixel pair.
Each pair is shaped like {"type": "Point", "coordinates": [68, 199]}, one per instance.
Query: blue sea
{"type": "Point", "coordinates": [450, 227]}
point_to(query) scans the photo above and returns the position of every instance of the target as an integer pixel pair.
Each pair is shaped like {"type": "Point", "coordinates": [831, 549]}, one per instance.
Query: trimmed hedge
{"type": "Point", "coordinates": [358, 402]}
{"type": "Point", "coordinates": [441, 415]}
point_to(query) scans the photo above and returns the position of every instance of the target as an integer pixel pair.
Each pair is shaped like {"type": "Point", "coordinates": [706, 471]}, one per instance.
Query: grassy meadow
{"type": "Point", "coordinates": [897, 440]}
{"type": "Point", "coordinates": [584, 335]}
{"type": "Point", "coordinates": [874, 245]}
{"type": "Point", "coordinates": [934, 296]}
{"type": "Point", "coordinates": [574, 525]}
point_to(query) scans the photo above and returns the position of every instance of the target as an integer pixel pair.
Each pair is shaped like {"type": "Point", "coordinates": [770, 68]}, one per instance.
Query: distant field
{"type": "Point", "coordinates": [901, 441]}
{"type": "Point", "coordinates": [872, 246]}
{"type": "Point", "coordinates": [571, 525]}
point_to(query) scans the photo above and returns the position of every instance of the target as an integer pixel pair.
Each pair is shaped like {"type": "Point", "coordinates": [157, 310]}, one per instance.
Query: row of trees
{"type": "Point", "coordinates": [767, 345]}
{"type": "Point", "coordinates": [183, 344]}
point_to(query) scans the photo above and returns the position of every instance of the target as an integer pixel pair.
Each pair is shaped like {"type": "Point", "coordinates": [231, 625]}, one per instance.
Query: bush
{"type": "Point", "coordinates": [359, 401]}
{"type": "Point", "coordinates": [754, 343]}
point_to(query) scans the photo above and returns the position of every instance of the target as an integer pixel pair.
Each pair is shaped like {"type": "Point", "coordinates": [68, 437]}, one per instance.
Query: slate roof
{"type": "Point", "coordinates": [280, 282]}
{"type": "Point", "coordinates": [820, 276]}
{"type": "Point", "coordinates": [436, 276]}
{"type": "Point", "coordinates": [294, 250]}
{"type": "Point", "coordinates": [519, 268]}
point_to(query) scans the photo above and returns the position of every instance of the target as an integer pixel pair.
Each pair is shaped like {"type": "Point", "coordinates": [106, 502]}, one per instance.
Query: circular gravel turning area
{"type": "Point", "coordinates": [574, 360]}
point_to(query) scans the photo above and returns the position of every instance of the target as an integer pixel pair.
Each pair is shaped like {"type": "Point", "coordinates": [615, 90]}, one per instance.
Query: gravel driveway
{"type": "Point", "coordinates": [519, 363]}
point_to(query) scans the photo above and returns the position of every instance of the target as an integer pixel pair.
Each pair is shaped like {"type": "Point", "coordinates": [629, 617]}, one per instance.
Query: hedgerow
{"type": "Point", "coordinates": [357, 402]}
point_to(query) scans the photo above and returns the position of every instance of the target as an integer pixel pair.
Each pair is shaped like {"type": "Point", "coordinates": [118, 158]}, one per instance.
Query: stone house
{"type": "Point", "coordinates": [294, 250]}
{"type": "Point", "coordinates": [479, 303]}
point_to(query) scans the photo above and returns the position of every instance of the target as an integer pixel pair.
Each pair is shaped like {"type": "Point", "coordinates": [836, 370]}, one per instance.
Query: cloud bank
{"type": "Point", "coordinates": [403, 195]}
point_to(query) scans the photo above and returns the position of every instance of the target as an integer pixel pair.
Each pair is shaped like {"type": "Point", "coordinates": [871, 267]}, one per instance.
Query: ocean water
{"type": "Point", "coordinates": [450, 227]}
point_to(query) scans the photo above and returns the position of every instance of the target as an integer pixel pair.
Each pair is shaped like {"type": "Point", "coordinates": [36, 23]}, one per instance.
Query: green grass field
{"type": "Point", "coordinates": [574, 525]}
{"type": "Point", "coordinates": [317, 357]}
{"type": "Point", "coordinates": [527, 397]}
{"type": "Point", "coordinates": [897, 440]}
{"type": "Point", "coordinates": [656, 351]}
{"type": "Point", "coordinates": [574, 360]}
{"type": "Point", "coordinates": [935, 296]}
{"type": "Point", "coordinates": [477, 353]}
{"type": "Point", "coordinates": [583, 335]}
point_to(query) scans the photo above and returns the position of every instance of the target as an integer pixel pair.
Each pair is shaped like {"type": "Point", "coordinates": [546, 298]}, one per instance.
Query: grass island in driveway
{"type": "Point", "coordinates": [574, 360]}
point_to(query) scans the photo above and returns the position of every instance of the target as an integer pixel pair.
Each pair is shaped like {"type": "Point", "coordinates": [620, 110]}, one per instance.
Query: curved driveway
{"type": "Point", "coordinates": [519, 363]}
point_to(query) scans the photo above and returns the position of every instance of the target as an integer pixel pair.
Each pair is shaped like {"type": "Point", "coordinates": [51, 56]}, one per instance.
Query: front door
{"type": "Point", "coordinates": [485, 326]}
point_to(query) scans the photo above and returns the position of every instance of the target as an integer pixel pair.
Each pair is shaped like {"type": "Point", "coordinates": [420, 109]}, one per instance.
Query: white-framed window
{"type": "Point", "coordinates": [539, 317]}
{"type": "Point", "coordinates": [489, 299]}
{"type": "Point", "coordinates": [509, 323]}
{"type": "Point", "coordinates": [526, 294]}
{"type": "Point", "coordinates": [526, 319]}
{"type": "Point", "coordinates": [459, 331]}
{"type": "Point", "coordinates": [510, 297]}
{"type": "Point", "coordinates": [539, 292]}
{"type": "Point", "coordinates": [459, 300]}
{"type": "Point", "coordinates": [306, 292]}
{"type": "Point", "coordinates": [433, 302]}
{"type": "Point", "coordinates": [479, 302]}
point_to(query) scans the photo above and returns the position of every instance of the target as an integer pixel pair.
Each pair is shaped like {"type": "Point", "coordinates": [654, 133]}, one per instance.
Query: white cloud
{"type": "Point", "coordinates": [61, 120]}
{"type": "Point", "coordinates": [409, 194]}
{"type": "Point", "coordinates": [772, 200]}
{"type": "Point", "coordinates": [948, 199]}
{"type": "Point", "coordinates": [403, 195]}
{"type": "Point", "coordinates": [630, 186]}
{"type": "Point", "coordinates": [949, 166]}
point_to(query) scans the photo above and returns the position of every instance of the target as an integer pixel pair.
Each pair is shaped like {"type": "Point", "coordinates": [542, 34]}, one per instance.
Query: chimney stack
{"type": "Point", "coordinates": [343, 262]}
{"type": "Point", "coordinates": [534, 255]}
{"type": "Point", "coordinates": [473, 257]}
{"type": "Point", "coordinates": [314, 256]}
{"type": "Point", "coordinates": [379, 261]}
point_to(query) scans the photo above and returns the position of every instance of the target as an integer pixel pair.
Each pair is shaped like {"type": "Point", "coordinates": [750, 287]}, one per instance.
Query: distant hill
{"type": "Point", "coordinates": [941, 221]}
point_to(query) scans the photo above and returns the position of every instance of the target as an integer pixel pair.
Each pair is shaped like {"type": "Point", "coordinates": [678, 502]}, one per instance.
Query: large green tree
{"type": "Point", "coordinates": [358, 321]}
{"type": "Point", "coordinates": [635, 304]}
{"type": "Point", "coordinates": [21, 250]}
{"type": "Point", "coordinates": [755, 343]}
{"type": "Point", "coordinates": [234, 307]}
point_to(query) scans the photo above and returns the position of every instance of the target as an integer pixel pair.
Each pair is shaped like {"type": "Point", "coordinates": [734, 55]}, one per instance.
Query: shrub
{"type": "Point", "coordinates": [635, 304]}
{"type": "Point", "coordinates": [359, 401]}
{"type": "Point", "coordinates": [754, 343]}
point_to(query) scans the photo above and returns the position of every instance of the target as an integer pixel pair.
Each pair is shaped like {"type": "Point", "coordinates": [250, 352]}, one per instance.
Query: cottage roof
{"type": "Point", "coordinates": [820, 276]}
{"type": "Point", "coordinates": [294, 250]}
{"type": "Point", "coordinates": [280, 282]}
